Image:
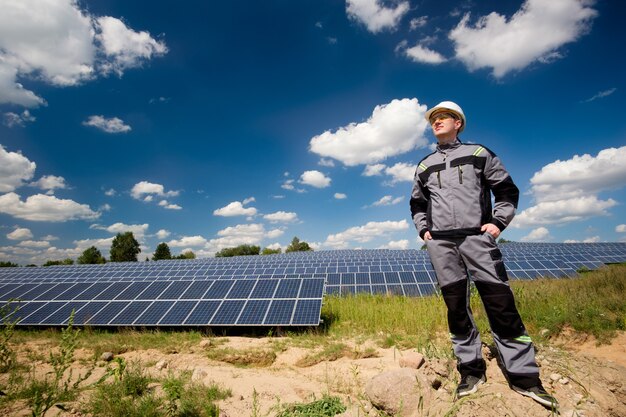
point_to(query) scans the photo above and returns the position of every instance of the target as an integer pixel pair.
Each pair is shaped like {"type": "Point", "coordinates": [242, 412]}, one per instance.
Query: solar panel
{"type": "Point", "coordinates": [283, 289]}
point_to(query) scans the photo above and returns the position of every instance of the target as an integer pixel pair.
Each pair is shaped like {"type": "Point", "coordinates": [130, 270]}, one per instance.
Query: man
{"type": "Point", "coordinates": [452, 211]}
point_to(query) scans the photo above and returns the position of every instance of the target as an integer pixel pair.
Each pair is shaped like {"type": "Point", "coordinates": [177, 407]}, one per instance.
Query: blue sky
{"type": "Point", "coordinates": [208, 125]}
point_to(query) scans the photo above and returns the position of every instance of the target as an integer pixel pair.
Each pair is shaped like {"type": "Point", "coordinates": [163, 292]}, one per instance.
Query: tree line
{"type": "Point", "coordinates": [125, 248]}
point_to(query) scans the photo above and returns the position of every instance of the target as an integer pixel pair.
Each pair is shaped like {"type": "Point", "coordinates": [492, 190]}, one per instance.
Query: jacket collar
{"type": "Point", "coordinates": [449, 146]}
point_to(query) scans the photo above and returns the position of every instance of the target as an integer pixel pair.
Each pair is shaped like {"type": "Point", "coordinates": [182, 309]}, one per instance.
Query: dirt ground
{"type": "Point", "coordinates": [588, 380]}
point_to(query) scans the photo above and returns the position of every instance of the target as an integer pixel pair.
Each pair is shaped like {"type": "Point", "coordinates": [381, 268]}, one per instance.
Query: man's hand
{"type": "Point", "coordinates": [490, 228]}
{"type": "Point", "coordinates": [427, 236]}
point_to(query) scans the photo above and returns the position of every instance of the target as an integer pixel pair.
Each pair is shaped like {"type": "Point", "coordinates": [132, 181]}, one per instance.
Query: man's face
{"type": "Point", "coordinates": [445, 125]}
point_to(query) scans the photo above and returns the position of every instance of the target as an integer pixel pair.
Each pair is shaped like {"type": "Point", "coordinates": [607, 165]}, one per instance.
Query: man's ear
{"type": "Point", "coordinates": [458, 123]}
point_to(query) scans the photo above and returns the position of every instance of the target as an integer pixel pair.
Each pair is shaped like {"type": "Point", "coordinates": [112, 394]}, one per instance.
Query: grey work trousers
{"type": "Point", "coordinates": [478, 255]}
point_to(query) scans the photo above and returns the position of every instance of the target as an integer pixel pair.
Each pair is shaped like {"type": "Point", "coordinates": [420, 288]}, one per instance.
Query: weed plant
{"type": "Point", "coordinates": [8, 320]}
{"type": "Point", "coordinates": [326, 406]}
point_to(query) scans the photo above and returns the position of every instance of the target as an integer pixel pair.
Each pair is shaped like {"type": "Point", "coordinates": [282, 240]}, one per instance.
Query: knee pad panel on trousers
{"type": "Point", "coordinates": [455, 297]}
{"type": "Point", "coordinates": [500, 307]}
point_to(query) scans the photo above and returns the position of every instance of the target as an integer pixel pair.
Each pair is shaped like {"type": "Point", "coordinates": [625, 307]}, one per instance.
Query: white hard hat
{"type": "Point", "coordinates": [449, 106]}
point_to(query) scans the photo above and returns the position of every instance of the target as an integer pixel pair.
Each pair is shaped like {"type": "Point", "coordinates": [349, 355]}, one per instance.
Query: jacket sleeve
{"type": "Point", "coordinates": [419, 204]}
{"type": "Point", "coordinates": [505, 192]}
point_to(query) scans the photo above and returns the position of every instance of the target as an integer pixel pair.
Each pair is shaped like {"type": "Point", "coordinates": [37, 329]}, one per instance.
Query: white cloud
{"type": "Point", "coordinates": [83, 244]}
{"type": "Point", "coordinates": [533, 33]}
{"type": "Point", "coordinates": [601, 94]}
{"type": "Point", "coordinates": [388, 201]}
{"type": "Point", "coordinates": [41, 207]}
{"type": "Point", "coordinates": [35, 243]}
{"type": "Point", "coordinates": [315, 179]}
{"type": "Point", "coordinates": [274, 233]}
{"type": "Point", "coordinates": [18, 119]}
{"type": "Point", "coordinates": [110, 192]}
{"type": "Point", "coordinates": [50, 182]}
{"type": "Point", "coordinates": [326, 163]}
{"type": "Point", "coordinates": [566, 191]}
{"type": "Point", "coordinates": [420, 53]}
{"type": "Point", "coordinates": [392, 129]}
{"type": "Point", "coordinates": [139, 230]}
{"type": "Point", "coordinates": [167, 205]}
{"type": "Point", "coordinates": [147, 188]}
{"type": "Point", "coordinates": [243, 234]}
{"type": "Point", "coordinates": [396, 244]}
{"type": "Point", "coordinates": [401, 172]}
{"type": "Point", "coordinates": [15, 169]}
{"type": "Point", "coordinates": [193, 241]}
{"type": "Point", "coordinates": [20, 233]}
{"type": "Point", "coordinates": [274, 246]}
{"type": "Point", "coordinates": [111, 125]}
{"type": "Point", "coordinates": [125, 47]}
{"type": "Point", "coordinates": [374, 15]}
{"type": "Point", "coordinates": [105, 207]}
{"type": "Point", "coordinates": [340, 196]}
{"type": "Point", "coordinates": [235, 208]}
{"type": "Point", "coordinates": [563, 211]}
{"type": "Point", "coordinates": [580, 175]}
{"type": "Point", "coordinates": [162, 234]}
{"type": "Point", "coordinates": [620, 228]}
{"type": "Point", "coordinates": [58, 43]}
{"type": "Point", "coordinates": [365, 233]}
{"type": "Point", "coordinates": [49, 238]}
{"type": "Point", "coordinates": [373, 170]}
{"type": "Point", "coordinates": [248, 200]}
{"type": "Point", "coordinates": [418, 22]}
{"type": "Point", "coordinates": [540, 234]}
{"type": "Point", "coordinates": [281, 216]}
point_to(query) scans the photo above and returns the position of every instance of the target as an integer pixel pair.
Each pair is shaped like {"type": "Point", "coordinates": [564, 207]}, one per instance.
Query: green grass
{"type": "Point", "coordinates": [326, 406]}
{"type": "Point", "coordinates": [593, 303]}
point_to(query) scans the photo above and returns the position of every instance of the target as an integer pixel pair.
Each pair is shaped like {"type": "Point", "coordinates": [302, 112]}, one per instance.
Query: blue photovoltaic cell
{"type": "Point", "coordinates": [91, 292]}
{"type": "Point", "coordinates": [53, 292]}
{"type": "Point", "coordinates": [85, 314]}
{"type": "Point", "coordinates": [253, 312]}
{"type": "Point", "coordinates": [175, 290]}
{"type": "Point", "coordinates": [130, 313]}
{"type": "Point", "coordinates": [241, 289]}
{"type": "Point", "coordinates": [196, 290]}
{"type": "Point", "coordinates": [280, 312]}
{"type": "Point", "coordinates": [307, 312]}
{"type": "Point", "coordinates": [179, 311]}
{"type": "Point", "coordinates": [391, 277]}
{"type": "Point", "coordinates": [411, 290]}
{"type": "Point", "coordinates": [153, 291]}
{"type": "Point", "coordinates": [288, 288]}
{"type": "Point", "coordinates": [153, 313]}
{"type": "Point", "coordinates": [31, 291]}
{"type": "Point", "coordinates": [395, 289]}
{"type": "Point", "coordinates": [112, 291]}
{"type": "Point", "coordinates": [24, 310]}
{"type": "Point", "coordinates": [17, 292]}
{"type": "Point", "coordinates": [228, 312]}
{"type": "Point", "coordinates": [377, 278]}
{"type": "Point", "coordinates": [264, 288]}
{"type": "Point", "coordinates": [347, 279]}
{"type": "Point", "coordinates": [427, 289]}
{"type": "Point", "coordinates": [203, 312]}
{"type": "Point", "coordinates": [42, 313]}
{"type": "Point", "coordinates": [132, 291]}
{"type": "Point", "coordinates": [218, 290]}
{"type": "Point", "coordinates": [107, 313]}
{"type": "Point", "coordinates": [62, 315]}
{"type": "Point", "coordinates": [72, 292]}
{"type": "Point", "coordinates": [311, 288]}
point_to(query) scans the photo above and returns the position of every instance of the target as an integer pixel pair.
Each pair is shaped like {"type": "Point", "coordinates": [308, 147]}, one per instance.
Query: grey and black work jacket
{"type": "Point", "coordinates": [452, 189]}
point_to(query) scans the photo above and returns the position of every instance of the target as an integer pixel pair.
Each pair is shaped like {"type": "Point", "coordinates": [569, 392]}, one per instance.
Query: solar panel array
{"type": "Point", "coordinates": [273, 290]}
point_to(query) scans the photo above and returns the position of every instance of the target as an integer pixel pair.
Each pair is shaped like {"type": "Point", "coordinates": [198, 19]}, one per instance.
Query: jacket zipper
{"type": "Point", "coordinates": [439, 178]}
{"type": "Point", "coordinates": [460, 174]}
